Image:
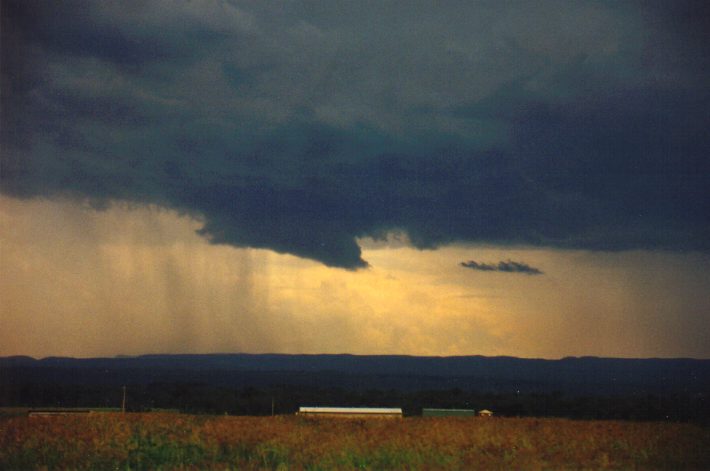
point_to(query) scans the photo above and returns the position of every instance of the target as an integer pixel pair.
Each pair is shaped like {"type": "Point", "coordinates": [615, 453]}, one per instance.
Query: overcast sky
{"type": "Point", "coordinates": [521, 178]}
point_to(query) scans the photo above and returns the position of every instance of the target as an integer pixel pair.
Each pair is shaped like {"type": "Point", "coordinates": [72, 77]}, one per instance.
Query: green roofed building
{"type": "Point", "coordinates": [448, 413]}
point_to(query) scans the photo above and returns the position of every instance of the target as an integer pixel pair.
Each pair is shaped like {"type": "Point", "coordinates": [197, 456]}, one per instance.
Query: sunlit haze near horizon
{"type": "Point", "coordinates": [135, 280]}
{"type": "Point", "coordinates": [526, 179]}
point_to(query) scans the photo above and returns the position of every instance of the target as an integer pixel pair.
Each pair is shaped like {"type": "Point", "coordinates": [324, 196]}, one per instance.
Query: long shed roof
{"type": "Point", "coordinates": [350, 410]}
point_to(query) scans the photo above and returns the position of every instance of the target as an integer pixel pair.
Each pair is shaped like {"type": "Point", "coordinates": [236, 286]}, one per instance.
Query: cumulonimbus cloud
{"type": "Point", "coordinates": [507, 266]}
{"type": "Point", "coordinates": [292, 129]}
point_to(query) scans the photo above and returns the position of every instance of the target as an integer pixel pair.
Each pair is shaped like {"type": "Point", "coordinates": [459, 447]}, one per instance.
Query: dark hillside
{"type": "Point", "coordinates": [244, 383]}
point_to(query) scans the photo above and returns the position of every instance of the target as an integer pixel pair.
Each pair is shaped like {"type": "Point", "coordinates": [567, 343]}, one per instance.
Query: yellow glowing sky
{"type": "Point", "coordinates": [133, 280]}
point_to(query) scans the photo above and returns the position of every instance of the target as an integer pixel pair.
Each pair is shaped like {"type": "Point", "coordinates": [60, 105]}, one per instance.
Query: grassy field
{"type": "Point", "coordinates": [176, 441]}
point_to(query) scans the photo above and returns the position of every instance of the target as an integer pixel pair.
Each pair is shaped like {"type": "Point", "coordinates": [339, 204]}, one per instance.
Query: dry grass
{"type": "Point", "coordinates": [175, 441]}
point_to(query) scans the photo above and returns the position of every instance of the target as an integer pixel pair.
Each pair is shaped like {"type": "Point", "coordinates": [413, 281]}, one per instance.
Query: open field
{"type": "Point", "coordinates": [177, 441]}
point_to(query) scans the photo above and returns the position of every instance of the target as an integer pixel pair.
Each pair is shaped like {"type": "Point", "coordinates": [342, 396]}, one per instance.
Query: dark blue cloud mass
{"type": "Point", "coordinates": [301, 127]}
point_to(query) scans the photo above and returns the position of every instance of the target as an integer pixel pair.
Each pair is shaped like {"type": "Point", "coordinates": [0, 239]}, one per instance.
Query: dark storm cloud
{"type": "Point", "coordinates": [508, 266]}
{"type": "Point", "coordinates": [300, 127]}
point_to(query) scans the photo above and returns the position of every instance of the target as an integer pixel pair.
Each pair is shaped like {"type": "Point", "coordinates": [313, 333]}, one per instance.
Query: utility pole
{"type": "Point", "coordinates": [272, 406]}
{"type": "Point", "coordinates": [123, 403]}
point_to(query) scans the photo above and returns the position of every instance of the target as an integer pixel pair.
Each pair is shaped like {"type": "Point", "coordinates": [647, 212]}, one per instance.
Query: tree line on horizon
{"type": "Point", "coordinates": [202, 398]}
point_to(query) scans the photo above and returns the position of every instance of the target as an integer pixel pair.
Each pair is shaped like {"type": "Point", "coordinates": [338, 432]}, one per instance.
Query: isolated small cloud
{"type": "Point", "coordinates": [507, 266]}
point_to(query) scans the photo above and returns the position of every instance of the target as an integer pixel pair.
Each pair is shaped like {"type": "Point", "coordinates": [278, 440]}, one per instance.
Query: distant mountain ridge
{"type": "Point", "coordinates": [578, 375]}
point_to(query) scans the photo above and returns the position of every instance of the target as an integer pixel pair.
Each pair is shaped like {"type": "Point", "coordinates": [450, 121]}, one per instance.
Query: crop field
{"type": "Point", "coordinates": [177, 441]}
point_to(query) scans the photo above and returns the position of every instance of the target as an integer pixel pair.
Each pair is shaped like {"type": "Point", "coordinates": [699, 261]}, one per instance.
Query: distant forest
{"type": "Point", "coordinates": [675, 390]}
{"type": "Point", "coordinates": [205, 399]}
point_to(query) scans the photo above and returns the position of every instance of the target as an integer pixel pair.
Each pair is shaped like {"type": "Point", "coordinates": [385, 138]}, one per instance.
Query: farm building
{"type": "Point", "coordinates": [485, 413]}
{"type": "Point", "coordinates": [352, 412]}
{"type": "Point", "coordinates": [448, 412]}
{"type": "Point", "coordinates": [53, 412]}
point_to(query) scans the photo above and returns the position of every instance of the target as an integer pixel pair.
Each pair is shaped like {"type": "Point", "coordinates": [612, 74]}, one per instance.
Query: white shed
{"type": "Point", "coordinates": [351, 412]}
